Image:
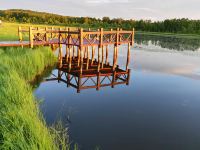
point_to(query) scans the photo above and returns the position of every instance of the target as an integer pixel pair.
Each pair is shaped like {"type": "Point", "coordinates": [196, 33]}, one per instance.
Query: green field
{"type": "Point", "coordinates": [21, 123]}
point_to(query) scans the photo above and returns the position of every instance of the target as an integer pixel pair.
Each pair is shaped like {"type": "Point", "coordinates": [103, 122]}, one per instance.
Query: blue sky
{"type": "Point", "coordinates": [128, 9]}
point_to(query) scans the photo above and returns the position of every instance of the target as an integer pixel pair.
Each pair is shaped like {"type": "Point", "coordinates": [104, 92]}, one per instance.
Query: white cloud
{"type": "Point", "coordinates": [134, 9]}
{"type": "Point", "coordinates": [146, 9]}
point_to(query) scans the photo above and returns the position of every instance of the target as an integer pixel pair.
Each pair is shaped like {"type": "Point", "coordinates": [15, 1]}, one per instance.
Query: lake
{"type": "Point", "coordinates": [158, 110]}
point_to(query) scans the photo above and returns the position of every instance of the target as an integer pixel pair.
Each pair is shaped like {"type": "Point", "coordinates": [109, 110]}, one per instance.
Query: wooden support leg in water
{"type": "Point", "coordinates": [78, 56]}
{"type": "Point", "coordinates": [73, 52]}
{"type": "Point", "coordinates": [81, 51]}
{"type": "Point", "coordinates": [98, 81]}
{"type": "Point", "coordinates": [114, 58]}
{"type": "Point", "coordinates": [93, 54]}
{"type": "Point", "coordinates": [106, 62]}
{"type": "Point", "coordinates": [79, 83]}
{"type": "Point", "coordinates": [68, 80]}
{"type": "Point", "coordinates": [88, 58]}
{"type": "Point", "coordinates": [116, 55]}
{"type": "Point", "coordinates": [128, 76]}
{"type": "Point", "coordinates": [113, 79]}
{"type": "Point", "coordinates": [128, 57]}
{"type": "Point", "coordinates": [60, 57]}
{"type": "Point", "coordinates": [98, 68]}
{"type": "Point", "coordinates": [67, 53]}
{"type": "Point", "coordinates": [70, 59]}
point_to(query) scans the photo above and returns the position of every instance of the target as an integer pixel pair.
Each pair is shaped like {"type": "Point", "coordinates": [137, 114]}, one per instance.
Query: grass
{"type": "Point", "coordinates": [21, 123]}
{"type": "Point", "coordinates": [9, 31]}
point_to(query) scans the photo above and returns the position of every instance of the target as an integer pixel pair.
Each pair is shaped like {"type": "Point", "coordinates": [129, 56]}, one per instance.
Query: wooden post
{"type": "Point", "coordinates": [101, 37]}
{"type": "Point", "coordinates": [113, 79]}
{"type": "Point", "coordinates": [98, 81]}
{"type": "Point", "coordinates": [106, 55]}
{"type": "Point", "coordinates": [70, 59]}
{"type": "Point", "coordinates": [68, 80]}
{"type": "Point", "coordinates": [79, 84]}
{"type": "Point", "coordinates": [73, 52]}
{"type": "Point", "coordinates": [111, 35]}
{"type": "Point", "coordinates": [88, 58]}
{"type": "Point", "coordinates": [60, 57]}
{"type": "Point", "coordinates": [116, 49]}
{"type": "Point", "coordinates": [81, 48]}
{"type": "Point", "coordinates": [59, 75]}
{"type": "Point", "coordinates": [46, 34]}
{"type": "Point", "coordinates": [117, 37]}
{"type": "Point", "coordinates": [120, 38]}
{"type": "Point", "coordinates": [85, 52]}
{"type": "Point", "coordinates": [133, 34]}
{"type": "Point", "coordinates": [128, 77]}
{"type": "Point", "coordinates": [81, 69]}
{"type": "Point", "coordinates": [20, 33]}
{"type": "Point", "coordinates": [60, 50]}
{"type": "Point", "coordinates": [78, 56]}
{"type": "Point", "coordinates": [67, 53]}
{"type": "Point", "coordinates": [66, 33]}
{"type": "Point", "coordinates": [69, 38]}
{"type": "Point", "coordinates": [114, 57]}
{"type": "Point", "coordinates": [128, 57]}
{"type": "Point", "coordinates": [98, 69]}
{"type": "Point", "coordinates": [89, 37]}
{"type": "Point", "coordinates": [31, 37]}
{"type": "Point", "coordinates": [93, 54]}
{"type": "Point", "coordinates": [102, 59]}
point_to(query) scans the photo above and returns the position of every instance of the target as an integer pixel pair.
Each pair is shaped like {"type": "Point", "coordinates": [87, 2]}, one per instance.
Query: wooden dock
{"type": "Point", "coordinates": [81, 47]}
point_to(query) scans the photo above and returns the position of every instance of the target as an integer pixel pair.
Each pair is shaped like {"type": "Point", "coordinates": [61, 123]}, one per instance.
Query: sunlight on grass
{"type": "Point", "coordinates": [21, 123]}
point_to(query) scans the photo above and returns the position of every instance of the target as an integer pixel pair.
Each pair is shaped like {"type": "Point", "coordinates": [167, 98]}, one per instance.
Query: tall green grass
{"type": "Point", "coordinates": [21, 124]}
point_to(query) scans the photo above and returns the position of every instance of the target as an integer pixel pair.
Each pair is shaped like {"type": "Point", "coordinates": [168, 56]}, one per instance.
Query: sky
{"type": "Point", "coordinates": [127, 9]}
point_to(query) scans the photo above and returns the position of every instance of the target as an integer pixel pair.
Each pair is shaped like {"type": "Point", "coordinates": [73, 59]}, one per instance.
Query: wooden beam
{"type": "Point", "coordinates": [128, 56]}
{"type": "Point", "coordinates": [30, 37]}
{"type": "Point", "coordinates": [102, 59]}
{"type": "Point", "coordinates": [106, 55]}
{"type": "Point", "coordinates": [101, 38]}
{"type": "Point", "coordinates": [133, 34]}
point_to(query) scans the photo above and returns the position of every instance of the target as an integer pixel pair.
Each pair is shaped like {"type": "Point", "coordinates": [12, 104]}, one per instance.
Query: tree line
{"type": "Point", "coordinates": [183, 25]}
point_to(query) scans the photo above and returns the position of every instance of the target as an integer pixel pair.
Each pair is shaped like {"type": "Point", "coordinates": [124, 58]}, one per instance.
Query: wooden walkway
{"type": "Point", "coordinates": [71, 36]}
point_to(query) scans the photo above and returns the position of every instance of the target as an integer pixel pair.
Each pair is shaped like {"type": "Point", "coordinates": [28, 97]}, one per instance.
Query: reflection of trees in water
{"type": "Point", "coordinates": [169, 42]}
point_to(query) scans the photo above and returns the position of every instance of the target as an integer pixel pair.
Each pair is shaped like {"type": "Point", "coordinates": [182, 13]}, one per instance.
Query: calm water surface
{"type": "Point", "coordinates": [159, 110]}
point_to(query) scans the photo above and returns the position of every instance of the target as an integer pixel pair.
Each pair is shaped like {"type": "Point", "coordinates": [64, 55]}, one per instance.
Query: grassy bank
{"type": "Point", "coordinates": [21, 124]}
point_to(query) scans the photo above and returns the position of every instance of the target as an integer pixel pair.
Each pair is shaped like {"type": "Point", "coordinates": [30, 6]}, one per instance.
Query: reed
{"type": "Point", "coordinates": [21, 123]}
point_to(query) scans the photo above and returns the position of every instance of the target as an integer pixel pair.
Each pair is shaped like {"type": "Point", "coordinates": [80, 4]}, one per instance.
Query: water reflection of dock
{"type": "Point", "coordinates": [91, 77]}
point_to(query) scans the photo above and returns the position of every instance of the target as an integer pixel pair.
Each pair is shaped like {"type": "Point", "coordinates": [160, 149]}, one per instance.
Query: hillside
{"type": "Point", "coordinates": [169, 25]}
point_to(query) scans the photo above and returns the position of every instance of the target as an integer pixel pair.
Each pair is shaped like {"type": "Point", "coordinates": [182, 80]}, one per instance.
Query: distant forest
{"type": "Point", "coordinates": [170, 25]}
